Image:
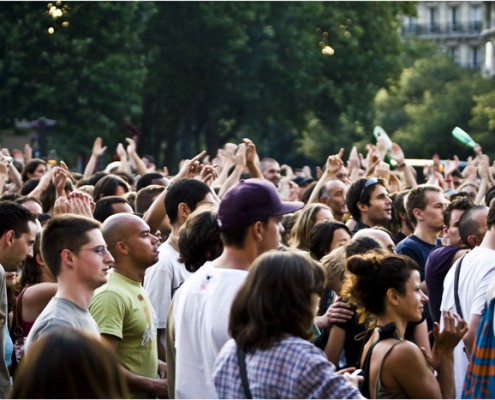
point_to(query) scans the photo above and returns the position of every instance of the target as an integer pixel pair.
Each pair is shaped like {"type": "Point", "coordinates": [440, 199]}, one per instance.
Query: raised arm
{"type": "Point", "coordinates": [138, 163]}
{"type": "Point", "coordinates": [334, 164]}
{"type": "Point", "coordinates": [156, 213]}
{"type": "Point", "coordinates": [398, 156]}
{"type": "Point", "coordinates": [252, 159]}
{"type": "Point", "coordinates": [240, 164]}
{"type": "Point", "coordinates": [97, 151]}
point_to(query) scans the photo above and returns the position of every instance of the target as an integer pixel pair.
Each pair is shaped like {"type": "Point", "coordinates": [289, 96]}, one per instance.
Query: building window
{"type": "Point", "coordinates": [475, 57]}
{"type": "Point", "coordinates": [475, 18]}
{"type": "Point", "coordinates": [411, 25]}
{"type": "Point", "coordinates": [453, 52]}
{"type": "Point", "coordinates": [434, 28]}
{"type": "Point", "coordinates": [455, 26]}
{"type": "Point", "coordinates": [488, 15]}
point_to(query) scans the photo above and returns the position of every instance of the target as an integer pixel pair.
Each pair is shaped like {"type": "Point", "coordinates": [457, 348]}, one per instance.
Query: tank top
{"type": "Point", "coordinates": [384, 393]}
{"type": "Point", "coordinates": [385, 332]}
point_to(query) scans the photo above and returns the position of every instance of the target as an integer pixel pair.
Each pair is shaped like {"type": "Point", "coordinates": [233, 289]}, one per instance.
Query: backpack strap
{"type": "Point", "coordinates": [242, 370]}
{"type": "Point", "coordinates": [456, 287]}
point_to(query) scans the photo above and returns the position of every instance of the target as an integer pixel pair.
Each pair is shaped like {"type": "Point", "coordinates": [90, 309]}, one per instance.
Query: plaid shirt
{"type": "Point", "coordinates": [291, 368]}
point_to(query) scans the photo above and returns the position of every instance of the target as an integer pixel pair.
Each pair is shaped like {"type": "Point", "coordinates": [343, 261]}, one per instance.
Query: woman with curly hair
{"type": "Point", "coordinates": [386, 291]}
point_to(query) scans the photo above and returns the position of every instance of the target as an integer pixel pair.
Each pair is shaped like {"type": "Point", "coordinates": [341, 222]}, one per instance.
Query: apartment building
{"type": "Point", "coordinates": [488, 36]}
{"type": "Point", "coordinates": [455, 25]}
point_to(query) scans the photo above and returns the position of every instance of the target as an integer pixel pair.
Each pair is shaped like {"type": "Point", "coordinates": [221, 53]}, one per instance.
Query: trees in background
{"type": "Point", "coordinates": [222, 71]}
{"type": "Point", "coordinates": [432, 97]}
{"type": "Point", "coordinates": [82, 66]}
{"type": "Point", "coordinates": [299, 78]}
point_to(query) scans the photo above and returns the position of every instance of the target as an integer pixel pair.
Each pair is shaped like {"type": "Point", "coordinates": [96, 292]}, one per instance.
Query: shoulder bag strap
{"type": "Point", "coordinates": [17, 325]}
{"type": "Point", "coordinates": [456, 287]}
{"type": "Point", "coordinates": [242, 369]}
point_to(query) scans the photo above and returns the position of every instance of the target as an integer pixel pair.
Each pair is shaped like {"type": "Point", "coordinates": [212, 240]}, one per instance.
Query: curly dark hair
{"type": "Point", "coordinates": [370, 276]}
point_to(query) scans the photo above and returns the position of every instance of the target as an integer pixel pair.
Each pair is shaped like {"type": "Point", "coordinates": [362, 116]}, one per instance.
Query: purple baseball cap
{"type": "Point", "coordinates": [252, 200]}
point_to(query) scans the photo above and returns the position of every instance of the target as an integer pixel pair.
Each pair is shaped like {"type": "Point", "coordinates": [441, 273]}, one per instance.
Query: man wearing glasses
{"type": "Point", "coordinates": [76, 253]}
{"type": "Point", "coordinates": [369, 203]}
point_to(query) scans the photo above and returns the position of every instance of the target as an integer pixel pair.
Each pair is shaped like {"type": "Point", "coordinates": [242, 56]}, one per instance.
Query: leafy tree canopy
{"type": "Point", "coordinates": [430, 99]}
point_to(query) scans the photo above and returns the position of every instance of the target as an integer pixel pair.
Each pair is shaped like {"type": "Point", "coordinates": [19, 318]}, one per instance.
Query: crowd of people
{"type": "Point", "coordinates": [242, 278]}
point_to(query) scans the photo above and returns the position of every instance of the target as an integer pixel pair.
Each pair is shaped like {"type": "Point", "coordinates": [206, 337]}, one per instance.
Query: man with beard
{"type": "Point", "coordinates": [369, 203]}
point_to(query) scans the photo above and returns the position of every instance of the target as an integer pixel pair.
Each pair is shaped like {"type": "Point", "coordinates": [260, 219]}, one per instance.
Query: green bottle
{"type": "Point", "coordinates": [463, 137]}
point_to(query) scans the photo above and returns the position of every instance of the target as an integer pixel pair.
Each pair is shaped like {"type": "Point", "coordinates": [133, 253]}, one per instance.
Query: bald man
{"type": "Point", "coordinates": [122, 307]}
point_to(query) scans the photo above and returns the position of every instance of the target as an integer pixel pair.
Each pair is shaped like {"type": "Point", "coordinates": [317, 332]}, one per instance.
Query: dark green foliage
{"type": "Point", "coordinates": [431, 98]}
{"type": "Point", "coordinates": [192, 75]}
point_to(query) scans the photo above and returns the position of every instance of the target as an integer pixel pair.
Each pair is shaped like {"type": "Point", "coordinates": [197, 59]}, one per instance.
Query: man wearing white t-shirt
{"type": "Point", "coordinates": [249, 218]}
{"type": "Point", "coordinates": [167, 275]}
{"type": "Point", "coordinates": [476, 270]}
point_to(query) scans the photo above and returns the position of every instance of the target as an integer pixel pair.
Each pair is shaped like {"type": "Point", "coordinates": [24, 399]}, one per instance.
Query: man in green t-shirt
{"type": "Point", "coordinates": [123, 310]}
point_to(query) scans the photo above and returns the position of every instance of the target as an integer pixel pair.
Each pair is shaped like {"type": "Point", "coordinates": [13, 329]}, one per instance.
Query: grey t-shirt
{"type": "Point", "coordinates": [62, 313]}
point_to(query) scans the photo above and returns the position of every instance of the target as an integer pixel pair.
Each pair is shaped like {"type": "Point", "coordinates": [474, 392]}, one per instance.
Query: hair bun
{"type": "Point", "coordinates": [364, 265]}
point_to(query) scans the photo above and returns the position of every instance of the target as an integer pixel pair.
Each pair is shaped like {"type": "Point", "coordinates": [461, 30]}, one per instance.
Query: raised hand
{"type": "Point", "coordinates": [397, 154]}
{"type": "Point", "coordinates": [98, 149]}
{"type": "Point", "coordinates": [131, 145]}
{"type": "Point", "coordinates": [250, 151]}
{"type": "Point", "coordinates": [190, 168]}
{"type": "Point", "coordinates": [334, 163]}
{"type": "Point", "coordinates": [208, 174]}
{"type": "Point", "coordinates": [121, 151]}
{"type": "Point", "coordinates": [59, 179]}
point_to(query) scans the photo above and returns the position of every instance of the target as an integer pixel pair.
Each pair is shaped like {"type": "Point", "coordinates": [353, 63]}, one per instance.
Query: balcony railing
{"type": "Point", "coordinates": [473, 65]}
{"type": "Point", "coordinates": [447, 28]}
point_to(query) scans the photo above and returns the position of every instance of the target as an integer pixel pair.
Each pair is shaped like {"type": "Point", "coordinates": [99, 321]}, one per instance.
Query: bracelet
{"type": "Point", "coordinates": [448, 180]}
{"type": "Point", "coordinates": [401, 165]}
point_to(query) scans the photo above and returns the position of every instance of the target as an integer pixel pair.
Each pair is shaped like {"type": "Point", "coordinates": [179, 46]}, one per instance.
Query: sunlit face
{"type": "Point", "coordinates": [340, 238]}
{"type": "Point", "coordinates": [272, 172]}
{"type": "Point", "coordinates": [379, 210]}
{"type": "Point", "coordinates": [323, 214]}
{"type": "Point", "coordinates": [432, 215]}
{"type": "Point", "coordinates": [271, 234]}
{"type": "Point", "coordinates": [93, 260]}
{"type": "Point", "coordinates": [22, 247]}
{"type": "Point", "coordinates": [453, 237]}
{"type": "Point", "coordinates": [141, 243]}
{"type": "Point", "coordinates": [335, 198]}
{"type": "Point", "coordinates": [412, 302]}
{"type": "Point", "coordinates": [39, 171]}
